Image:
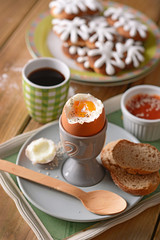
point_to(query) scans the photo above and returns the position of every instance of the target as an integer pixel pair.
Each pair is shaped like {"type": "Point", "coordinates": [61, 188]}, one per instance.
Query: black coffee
{"type": "Point", "coordinates": [46, 77]}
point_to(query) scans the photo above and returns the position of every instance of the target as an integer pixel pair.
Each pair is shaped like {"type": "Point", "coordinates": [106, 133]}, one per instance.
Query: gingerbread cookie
{"type": "Point", "coordinates": [71, 31]}
{"type": "Point", "coordinates": [132, 51]}
{"type": "Point", "coordinates": [106, 43]}
{"type": "Point", "coordinates": [100, 31]}
{"type": "Point", "coordinates": [69, 51]}
{"type": "Point", "coordinates": [105, 60]}
{"type": "Point", "coordinates": [132, 29]}
{"type": "Point", "coordinates": [79, 54]}
{"type": "Point", "coordinates": [126, 24]}
{"type": "Point", "coordinates": [83, 62]}
{"type": "Point", "coordinates": [68, 9]}
{"type": "Point", "coordinates": [114, 14]}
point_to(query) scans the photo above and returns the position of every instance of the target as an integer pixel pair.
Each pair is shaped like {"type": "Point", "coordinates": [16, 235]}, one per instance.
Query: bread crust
{"type": "Point", "coordinates": [153, 182]}
{"type": "Point", "coordinates": [128, 179]}
{"type": "Point", "coordinates": [132, 156]}
{"type": "Point", "coordinates": [133, 183]}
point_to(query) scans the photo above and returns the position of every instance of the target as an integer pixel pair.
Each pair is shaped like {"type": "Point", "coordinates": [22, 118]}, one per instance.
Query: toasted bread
{"type": "Point", "coordinates": [133, 157]}
{"type": "Point", "coordinates": [134, 167]}
{"type": "Point", "coordinates": [133, 183]}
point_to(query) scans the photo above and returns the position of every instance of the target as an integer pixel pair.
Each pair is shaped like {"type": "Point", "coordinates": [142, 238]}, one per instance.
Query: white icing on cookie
{"type": "Point", "coordinates": [69, 6]}
{"type": "Point", "coordinates": [134, 51]}
{"type": "Point", "coordinates": [116, 13]}
{"type": "Point", "coordinates": [74, 6]}
{"type": "Point", "coordinates": [107, 56]}
{"type": "Point", "coordinates": [132, 26]}
{"type": "Point", "coordinates": [84, 60]}
{"type": "Point", "coordinates": [81, 51]}
{"type": "Point", "coordinates": [72, 50]}
{"type": "Point", "coordinates": [70, 29]}
{"type": "Point", "coordinates": [100, 30]}
{"type": "Point", "coordinates": [93, 5]}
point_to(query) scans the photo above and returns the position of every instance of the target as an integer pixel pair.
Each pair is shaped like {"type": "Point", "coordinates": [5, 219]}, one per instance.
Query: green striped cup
{"type": "Point", "coordinates": [45, 103]}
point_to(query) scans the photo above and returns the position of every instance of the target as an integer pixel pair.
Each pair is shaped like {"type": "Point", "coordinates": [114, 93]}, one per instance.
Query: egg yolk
{"type": "Point", "coordinates": [83, 115]}
{"type": "Point", "coordinates": [83, 108]}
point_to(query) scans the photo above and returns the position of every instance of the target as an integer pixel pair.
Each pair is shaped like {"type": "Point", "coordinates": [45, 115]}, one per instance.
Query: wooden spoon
{"type": "Point", "coordinates": [100, 201]}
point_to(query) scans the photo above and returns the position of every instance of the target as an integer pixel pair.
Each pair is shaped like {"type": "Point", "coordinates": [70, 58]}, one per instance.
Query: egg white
{"type": "Point", "coordinates": [92, 115]}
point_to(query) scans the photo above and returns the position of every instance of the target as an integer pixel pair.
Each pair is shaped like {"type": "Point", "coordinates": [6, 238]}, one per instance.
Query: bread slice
{"type": "Point", "coordinates": [133, 157]}
{"type": "Point", "coordinates": [133, 183]}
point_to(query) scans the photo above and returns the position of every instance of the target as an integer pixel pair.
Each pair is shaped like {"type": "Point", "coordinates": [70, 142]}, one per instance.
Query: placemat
{"type": "Point", "coordinates": [59, 229]}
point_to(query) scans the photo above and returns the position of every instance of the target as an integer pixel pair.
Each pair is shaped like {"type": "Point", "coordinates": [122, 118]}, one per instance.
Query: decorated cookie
{"type": "Point", "coordinates": [114, 14]}
{"type": "Point", "coordinates": [132, 29]}
{"type": "Point", "coordinates": [71, 31]}
{"type": "Point", "coordinates": [74, 51]}
{"type": "Point", "coordinates": [105, 43]}
{"type": "Point", "coordinates": [132, 51]}
{"type": "Point", "coordinates": [79, 54]}
{"type": "Point", "coordinates": [126, 24]}
{"type": "Point", "coordinates": [70, 51]}
{"type": "Point", "coordinates": [105, 60]}
{"type": "Point", "coordinates": [68, 9]}
{"type": "Point", "coordinates": [83, 62]}
{"type": "Point", "coordinates": [100, 31]}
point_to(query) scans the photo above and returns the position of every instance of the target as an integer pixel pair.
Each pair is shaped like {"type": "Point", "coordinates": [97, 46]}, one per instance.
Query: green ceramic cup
{"type": "Point", "coordinates": [45, 103]}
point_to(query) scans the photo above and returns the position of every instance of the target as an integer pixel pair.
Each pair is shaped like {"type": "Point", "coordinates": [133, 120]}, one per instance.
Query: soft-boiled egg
{"type": "Point", "coordinates": [83, 115]}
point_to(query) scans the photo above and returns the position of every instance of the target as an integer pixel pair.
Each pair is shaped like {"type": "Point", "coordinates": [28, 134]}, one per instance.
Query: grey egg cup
{"type": "Point", "coordinates": [82, 168]}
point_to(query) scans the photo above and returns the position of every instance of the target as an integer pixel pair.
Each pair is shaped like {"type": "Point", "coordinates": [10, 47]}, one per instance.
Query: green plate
{"type": "Point", "coordinates": [42, 42]}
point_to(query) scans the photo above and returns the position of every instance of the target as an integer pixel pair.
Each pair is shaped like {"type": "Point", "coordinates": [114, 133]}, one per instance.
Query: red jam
{"type": "Point", "coordinates": [144, 106]}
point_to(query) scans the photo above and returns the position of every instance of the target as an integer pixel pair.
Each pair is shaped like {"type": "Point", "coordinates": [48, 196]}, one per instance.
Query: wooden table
{"type": "Point", "coordinates": [14, 119]}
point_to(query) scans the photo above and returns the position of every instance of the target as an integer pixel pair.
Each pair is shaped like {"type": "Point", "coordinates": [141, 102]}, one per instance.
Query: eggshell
{"type": "Point", "coordinates": [87, 128]}
{"type": "Point", "coordinates": [41, 151]}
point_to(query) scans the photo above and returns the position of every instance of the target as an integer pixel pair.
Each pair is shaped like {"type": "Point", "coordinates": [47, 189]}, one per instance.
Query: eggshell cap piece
{"type": "Point", "coordinates": [41, 151]}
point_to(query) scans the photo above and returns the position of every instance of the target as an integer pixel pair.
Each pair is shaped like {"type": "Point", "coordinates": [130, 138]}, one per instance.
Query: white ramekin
{"type": "Point", "coordinates": [143, 129]}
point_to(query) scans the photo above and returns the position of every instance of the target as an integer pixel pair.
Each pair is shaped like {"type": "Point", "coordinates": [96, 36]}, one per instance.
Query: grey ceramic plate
{"type": "Point", "coordinates": [61, 205]}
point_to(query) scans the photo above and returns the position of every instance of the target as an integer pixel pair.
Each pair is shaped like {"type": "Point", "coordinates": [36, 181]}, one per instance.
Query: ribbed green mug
{"type": "Point", "coordinates": [45, 103]}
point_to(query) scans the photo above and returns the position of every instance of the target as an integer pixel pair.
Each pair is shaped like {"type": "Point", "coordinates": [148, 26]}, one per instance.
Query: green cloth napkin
{"type": "Point", "coordinates": [60, 229]}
